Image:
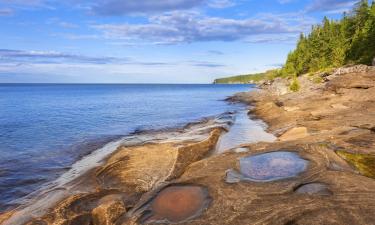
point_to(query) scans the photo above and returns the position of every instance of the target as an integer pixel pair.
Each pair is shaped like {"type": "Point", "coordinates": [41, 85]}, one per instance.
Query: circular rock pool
{"type": "Point", "coordinates": [177, 204]}
{"type": "Point", "coordinates": [272, 166]}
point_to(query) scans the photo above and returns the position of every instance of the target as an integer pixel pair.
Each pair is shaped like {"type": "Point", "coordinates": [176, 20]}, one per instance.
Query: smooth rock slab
{"type": "Point", "coordinates": [272, 166]}
{"type": "Point", "coordinates": [177, 204]}
{"type": "Point", "coordinates": [294, 133]}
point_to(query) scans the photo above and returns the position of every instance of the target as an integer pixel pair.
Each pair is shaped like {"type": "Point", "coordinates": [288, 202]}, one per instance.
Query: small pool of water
{"type": "Point", "coordinates": [272, 166]}
{"type": "Point", "coordinates": [244, 131]}
{"type": "Point", "coordinates": [314, 189]}
{"type": "Point", "coordinates": [177, 204]}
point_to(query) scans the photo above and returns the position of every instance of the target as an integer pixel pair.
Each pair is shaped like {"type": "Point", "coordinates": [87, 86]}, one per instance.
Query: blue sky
{"type": "Point", "coordinates": [150, 41]}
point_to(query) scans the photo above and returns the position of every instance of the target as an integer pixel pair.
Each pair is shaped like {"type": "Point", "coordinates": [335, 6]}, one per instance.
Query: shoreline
{"type": "Point", "coordinates": [56, 191]}
{"type": "Point", "coordinates": [320, 169]}
{"type": "Point", "coordinates": [95, 146]}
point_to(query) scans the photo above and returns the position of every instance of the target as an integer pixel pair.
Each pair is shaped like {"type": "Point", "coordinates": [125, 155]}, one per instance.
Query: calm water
{"type": "Point", "coordinates": [44, 129]}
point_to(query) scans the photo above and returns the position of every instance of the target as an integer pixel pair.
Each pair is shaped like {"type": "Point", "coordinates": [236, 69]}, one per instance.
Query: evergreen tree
{"type": "Point", "coordinates": [335, 43]}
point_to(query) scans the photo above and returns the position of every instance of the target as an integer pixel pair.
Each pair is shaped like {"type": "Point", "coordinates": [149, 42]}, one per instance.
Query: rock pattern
{"type": "Point", "coordinates": [109, 209]}
{"type": "Point", "coordinates": [127, 176]}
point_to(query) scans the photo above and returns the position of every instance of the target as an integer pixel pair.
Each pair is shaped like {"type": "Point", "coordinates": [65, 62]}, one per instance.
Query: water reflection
{"type": "Point", "coordinates": [268, 167]}
{"type": "Point", "coordinates": [244, 131]}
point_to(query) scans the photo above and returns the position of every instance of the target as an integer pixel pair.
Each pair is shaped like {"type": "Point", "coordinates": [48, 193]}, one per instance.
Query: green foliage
{"type": "Point", "coordinates": [317, 79]}
{"type": "Point", "coordinates": [295, 86]}
{"type": "Point", "coordinates": [335, 43]}
{"type": "Point", "coordinates": [250, 78]}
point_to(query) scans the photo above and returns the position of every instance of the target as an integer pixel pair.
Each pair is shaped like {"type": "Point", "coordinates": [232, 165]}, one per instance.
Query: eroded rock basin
{"type": "Point", "coordinates": [314, 189]}
{"type": "Point", "coordinates": [177, 204]}
{"type": "Point", "coordinates": [267, 167]}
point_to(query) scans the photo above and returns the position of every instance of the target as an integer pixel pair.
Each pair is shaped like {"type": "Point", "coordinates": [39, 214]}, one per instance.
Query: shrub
{"type": "Point", "coordinates": [294, 86]}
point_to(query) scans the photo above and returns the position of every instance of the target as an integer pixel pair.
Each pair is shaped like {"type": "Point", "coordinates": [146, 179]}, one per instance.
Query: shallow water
{"type": "Point", "coordinates": [272, 166]}
{"type": "Point", "coordinates": [314, 189]}
{"type": "Point", "coordinates": [176, 204]}
{"type": "Point", "coordinates": [244, 131]}
{"type": "Point", "coordinates": [46, 129]}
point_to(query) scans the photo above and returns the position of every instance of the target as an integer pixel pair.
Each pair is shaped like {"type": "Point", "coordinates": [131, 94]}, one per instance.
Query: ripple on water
{"type": "Point", "coordinates": [268, 167]}
{"type": "Point", "coordinates": [177, 204]}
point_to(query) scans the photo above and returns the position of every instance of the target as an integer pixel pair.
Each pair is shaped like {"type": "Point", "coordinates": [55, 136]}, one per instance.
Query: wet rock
{"type": "Point", "coordinates": [177, 204]}
{"type": "Point", "coordinates": [109, 210]}
{"type": "Point", "coordinates": [313, 189]}
{"type": "Point", "coordinates": [294, 133]}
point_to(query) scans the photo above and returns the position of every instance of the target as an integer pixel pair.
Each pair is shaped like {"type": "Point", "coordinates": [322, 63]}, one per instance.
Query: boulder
{"type": "Point", "coordinates": [279, 86]}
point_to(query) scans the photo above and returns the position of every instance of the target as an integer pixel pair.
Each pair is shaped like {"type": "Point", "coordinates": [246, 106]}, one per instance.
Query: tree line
{"type": "Point", "coordinates": [334, 43]}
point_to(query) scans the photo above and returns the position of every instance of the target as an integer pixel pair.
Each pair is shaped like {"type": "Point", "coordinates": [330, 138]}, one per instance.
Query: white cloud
{"type": "Point", "coordinates": [186, 27]}
{"type": "Point", "coordinates": [330, 5]}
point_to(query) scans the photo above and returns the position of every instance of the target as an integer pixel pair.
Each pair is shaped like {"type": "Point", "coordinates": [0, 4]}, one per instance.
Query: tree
{"type": "Point", "coordinates": [335, 43]}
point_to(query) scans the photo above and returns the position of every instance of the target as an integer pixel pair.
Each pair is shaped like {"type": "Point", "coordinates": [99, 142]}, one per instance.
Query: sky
{"type": "Point", "coordinates": [151, 41]}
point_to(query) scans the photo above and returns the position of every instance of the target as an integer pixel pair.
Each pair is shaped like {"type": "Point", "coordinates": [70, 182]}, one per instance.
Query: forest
{"type": "Point", "coordinates": [334, 43]}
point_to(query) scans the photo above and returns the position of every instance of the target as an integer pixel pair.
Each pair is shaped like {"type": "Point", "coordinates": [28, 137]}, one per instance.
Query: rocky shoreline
{"type": "Point", "coordinates": [321, 170]}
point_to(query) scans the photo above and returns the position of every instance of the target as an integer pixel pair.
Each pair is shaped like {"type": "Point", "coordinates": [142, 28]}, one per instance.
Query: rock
{"type": "Point", "coordinates": [109, 210]}
{"type": "Point", "coordinates": [336, 187]}
{"type": "Point", "coordinates": [294, 133]}
{"type": "Point", "coordinates": [232, 176]}
{"type": "Point", "coordinates": [291, 109]}
{"type": "Point", "coordinates": [339, 106]}
{"type": "Point", "coordinates": [130, 171]}
{"type": "Point", "coordinates": [352, 69]}
{"type": "Point", "coordinates": [241, 150]}
{"type": "Point", "coordinates": [373, 62]}
{"type": "Point", "coordinates": [5, 216]}
{"type": "Point", "coordinates": [278, 86]}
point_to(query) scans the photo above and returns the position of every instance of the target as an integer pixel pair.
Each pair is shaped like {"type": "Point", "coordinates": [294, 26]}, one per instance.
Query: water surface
{"type": "Point", "coordinates": [45, 129]}
{"type": "Point", "coordinates": [272, 166]}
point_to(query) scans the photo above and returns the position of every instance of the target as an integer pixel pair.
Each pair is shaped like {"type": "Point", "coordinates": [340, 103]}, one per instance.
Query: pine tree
{"type": "Point", "coordinates": [335, 43]}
